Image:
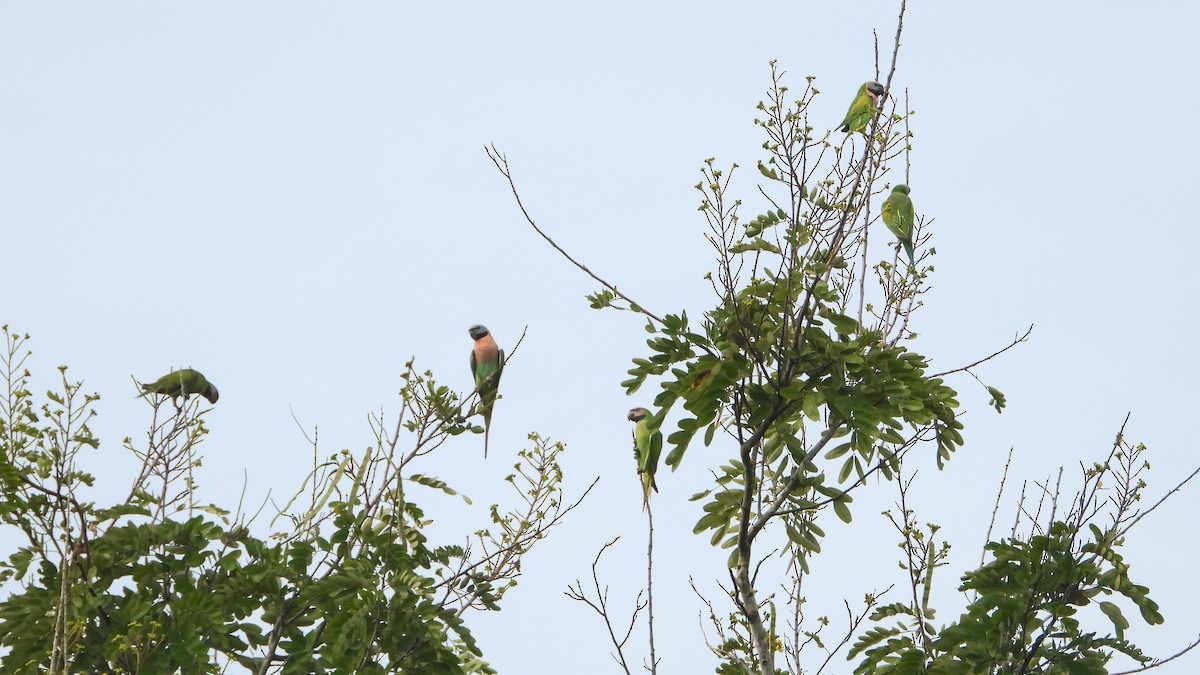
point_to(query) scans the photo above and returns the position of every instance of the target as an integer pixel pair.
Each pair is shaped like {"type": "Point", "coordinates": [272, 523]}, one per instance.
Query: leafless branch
{"type": "Point", "coordinates": [996, 509]}
{"type": "Point", "coordinates": [1158, 503]}
{"type": "Point", "coordinates": [854, 621]}
{"type": "Point", "coordinates": [501, 161]}
{"type": "Point", "coordinates": [653, 667]}
{"type": "Point", "coordinates": [600, 606]}
{"type": "Point", "coordinates": [1014, 343]}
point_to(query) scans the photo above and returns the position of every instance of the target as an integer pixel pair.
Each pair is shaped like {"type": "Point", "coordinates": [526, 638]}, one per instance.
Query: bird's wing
{"type": "Point", "coordinates": [904, 213]}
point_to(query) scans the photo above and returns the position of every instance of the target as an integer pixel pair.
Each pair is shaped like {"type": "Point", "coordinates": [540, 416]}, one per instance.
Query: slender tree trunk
{"type": "Point", "coordinates": [749, 602]}
{"type": "Point", "coordinates": [747, 597]}
{"type": "Point", "coordinates": [650, 585]}
{"type": "Point", "coordinates": [58, 649]}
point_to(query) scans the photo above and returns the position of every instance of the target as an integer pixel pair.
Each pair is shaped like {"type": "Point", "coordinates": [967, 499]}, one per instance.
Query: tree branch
{"type": "Point", "coordinates": [993, 355]}
{"type": "Point", "coordinates": [600, 606]}
{"type": "Point", "coordinates": [501, 162]}
{"type": "Point", "coordinates": [1166, 660]}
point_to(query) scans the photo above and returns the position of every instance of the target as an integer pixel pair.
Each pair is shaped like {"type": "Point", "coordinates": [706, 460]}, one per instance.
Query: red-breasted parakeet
{"type": "Point", "coordinates": [487, 363]}
{"type": "Point", "coordinates": [647, 446]}
{"type": "Point", "coordinates": [864, 107]}
{"type": "Point", "coordinates": [898, 216]}
{"type": "Point", "coordinates": [182, 383]}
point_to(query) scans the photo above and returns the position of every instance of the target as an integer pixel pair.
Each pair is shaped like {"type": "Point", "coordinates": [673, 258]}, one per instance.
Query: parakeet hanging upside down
{"type": "Point", "coordinates": [864, 107]}
{"type": "Point", "coordinates": [182, 383]}
{"type": "Point", "coordinates": [487, 364]}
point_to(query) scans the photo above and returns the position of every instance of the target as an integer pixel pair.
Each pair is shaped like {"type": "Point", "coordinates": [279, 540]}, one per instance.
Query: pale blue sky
{"type": "Point", "coordinates": [293, 198]}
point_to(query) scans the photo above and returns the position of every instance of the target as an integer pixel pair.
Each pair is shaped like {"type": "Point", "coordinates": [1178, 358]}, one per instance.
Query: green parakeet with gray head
{"type": "Point", "coordinates": [898, 215]}
{"type": "Point", "coordinates": [647, 446]}
{"type": "Point", "coordinates": [864, 107]}
{"type": "Point", "coordinates": [182, 383]}
{"type": "Point", "coordinates": [487, 363]}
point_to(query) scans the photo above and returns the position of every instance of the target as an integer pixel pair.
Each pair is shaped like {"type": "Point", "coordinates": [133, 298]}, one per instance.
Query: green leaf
{"type": "Point", "coordinates": [842, 511]}
{"type": "Point", "coordinates": [1118, 619]}
{"type": "Point", "coordinates": [601, 299]}
{"type": "Point", "coordinates": [812, 404]}
{"type": "Point", "coordinates": [847, 468]}
{"type": "Point", "coordinates": [843, 324]}
{"type": "Point", "coordinates": [839, 451]}
{"type": "Point", "coordinates": [710, 521]}
{"type": "Point", "coordinates": [998, 401]}
{"type": "Point", "coordinates": [756, 244]}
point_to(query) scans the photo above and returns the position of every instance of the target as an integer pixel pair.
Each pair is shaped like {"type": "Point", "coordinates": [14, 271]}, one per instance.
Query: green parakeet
{"type": "Point", "coordinates": [647, 446]}
{"type": "Point", "coordinates": [864, 107]}
{"type": "Point", "coordinates": [898, 216]}
{"type": "Point", "coordinates": [182, 383]}
{"type": "Point", "coordinates": [487, 364]}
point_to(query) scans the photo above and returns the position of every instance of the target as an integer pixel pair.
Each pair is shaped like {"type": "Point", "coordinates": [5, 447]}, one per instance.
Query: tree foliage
{"type": "Point", "coordinates": [1027, 613]}
{"type": "Point", "coordinates": [803, 374]}
{"type": "Point", "coordinates": [159, 583]}
{"type": "Point", "coordinates": [803, 366]}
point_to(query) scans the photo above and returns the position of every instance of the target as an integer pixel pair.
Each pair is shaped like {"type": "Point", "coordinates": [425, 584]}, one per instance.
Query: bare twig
{"type": "Point", "coordinates": [650, 585]}
{"type": "Point", "coordinates": [875, 41]}
{"type": "Point", "coordinates": [1014, 343]}
{"type": "Point", "coordinates": [1158, 503]}
{"type": "Point", "coordinates": [854, 622]}
{"type": "Point", "coordinates": [501, 161]}
{"type": "Point", "coordinates": [995, 509]}
{"type": "Point", "coordinates": [600, 606]}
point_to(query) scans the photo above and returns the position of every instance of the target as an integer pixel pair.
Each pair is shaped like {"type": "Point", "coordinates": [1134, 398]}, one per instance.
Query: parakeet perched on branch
{"type": "Point", "coordinates": [898, 216]}
{"type": "Point", "coordinates": [182, 383]}
{"type": "Point", "coordinates": [647, 446]}
{"type": "Point", "coordinates": [864, 107]}
{"type": "Point", "coordinates": [487, 364]}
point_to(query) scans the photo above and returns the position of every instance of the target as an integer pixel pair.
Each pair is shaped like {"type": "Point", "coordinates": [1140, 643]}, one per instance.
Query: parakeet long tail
{"type": "Point", "coordinates": [487, 428]}
{"type": "Point", "coordinates": [648, 484]}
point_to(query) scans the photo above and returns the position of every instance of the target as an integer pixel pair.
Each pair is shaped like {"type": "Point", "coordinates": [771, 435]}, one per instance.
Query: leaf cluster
{"type": "Point", "coordinates": [1028, 613]}
{"type": "Point", "coordinates": [157, 583]}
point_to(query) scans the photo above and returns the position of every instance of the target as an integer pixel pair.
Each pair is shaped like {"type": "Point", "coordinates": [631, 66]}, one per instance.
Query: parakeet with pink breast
{"type": "Point", "coordinates": [487, 364]}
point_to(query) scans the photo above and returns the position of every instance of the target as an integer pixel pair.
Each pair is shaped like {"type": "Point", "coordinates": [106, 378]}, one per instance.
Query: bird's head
{"type": "Point", "coordinates": [876, 90]}
{"type": "Point", "coordinates": [210, 392]}
{"type": "Point", "coordinates": [638, 414]}
{"type": "Point", "coordinates": [902, 189]}
{"type": "Point", "coordinates": [477, 331]}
